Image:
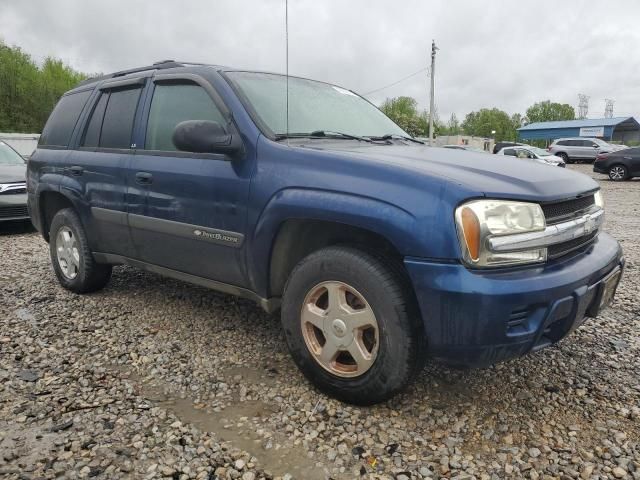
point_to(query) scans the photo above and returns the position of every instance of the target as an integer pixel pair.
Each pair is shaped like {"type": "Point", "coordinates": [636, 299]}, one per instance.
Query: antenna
{"type": "Point", "coordinates": [608, 108]}
{"type": "Point", "coordinates": [286, 35]}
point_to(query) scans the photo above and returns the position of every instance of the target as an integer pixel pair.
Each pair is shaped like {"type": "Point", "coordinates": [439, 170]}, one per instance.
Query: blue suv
{"type": "Point", "coordinates": [379, 252]}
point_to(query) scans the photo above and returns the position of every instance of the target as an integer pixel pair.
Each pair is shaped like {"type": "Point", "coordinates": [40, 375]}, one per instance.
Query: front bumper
{"type": "Point", "coordinates": [477, 318]}
{"type": "Point", "coordinates": [13, 207]}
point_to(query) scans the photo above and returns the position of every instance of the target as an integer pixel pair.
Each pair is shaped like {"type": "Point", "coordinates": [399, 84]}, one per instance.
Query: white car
{"type": "Point", "coordinates": [533, 153]}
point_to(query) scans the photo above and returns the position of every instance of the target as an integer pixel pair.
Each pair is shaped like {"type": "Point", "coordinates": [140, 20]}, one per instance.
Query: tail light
{"type": "Point", "coordinates": [601, 156]}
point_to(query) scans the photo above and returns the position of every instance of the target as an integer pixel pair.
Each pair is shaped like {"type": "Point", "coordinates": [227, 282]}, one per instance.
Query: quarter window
{"type": "Point", "coordinates": [510, 151]}
{"type": "Point", "coordinates": [63, 119]}
{"type": "Point", "coordinates": [174, 103]}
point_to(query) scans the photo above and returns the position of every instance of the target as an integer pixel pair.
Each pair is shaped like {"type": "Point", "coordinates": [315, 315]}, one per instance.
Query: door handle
{"type": "Point", "coordinates": [76, 170]}
{"type": "Point", "coordinates": [144, 178]}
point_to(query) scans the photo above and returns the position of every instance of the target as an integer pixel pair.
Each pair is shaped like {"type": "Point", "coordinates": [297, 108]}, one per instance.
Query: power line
{"type": "Point", "coordinates": [397, 81]}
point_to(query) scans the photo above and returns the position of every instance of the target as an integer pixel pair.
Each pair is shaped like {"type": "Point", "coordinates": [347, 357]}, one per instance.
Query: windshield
{"type": "Point", "coordinates": [540, 152]}
{"type": "Point", "coordinates": [313, 106]}
{"type": "Point", "coordinates": [8, 155]}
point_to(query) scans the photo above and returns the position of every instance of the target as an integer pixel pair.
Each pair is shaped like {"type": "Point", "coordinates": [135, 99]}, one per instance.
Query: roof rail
{"type": "Point", "coordinates": [161, 65]}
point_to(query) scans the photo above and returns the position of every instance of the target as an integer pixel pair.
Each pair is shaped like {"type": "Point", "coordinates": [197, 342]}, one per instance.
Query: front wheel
{"type": "Point", "coordinates": [71, 257]}
{"type": "Point", "coordinates": [617, 173]}
{"type": "Point", "coordinates": [352, 326]}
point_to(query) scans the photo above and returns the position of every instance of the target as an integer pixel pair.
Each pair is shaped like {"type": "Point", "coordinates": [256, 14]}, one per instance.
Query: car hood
{"type": "Point", "coordinates": [490, 175]}
{"type": "Point", "coordinates": [12, 173]}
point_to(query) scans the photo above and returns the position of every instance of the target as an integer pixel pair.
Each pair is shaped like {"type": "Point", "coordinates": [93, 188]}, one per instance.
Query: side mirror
{"type": "Point", "coordinates": [596, 146]}
{"type": "Point", "coordinates": [205, 136]}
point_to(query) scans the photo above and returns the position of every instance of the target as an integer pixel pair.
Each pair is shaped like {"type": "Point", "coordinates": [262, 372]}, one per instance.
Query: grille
{"type": "Point", "coordinates": [14, 191]}
{"type": "Point", "coordinates": [559, 249]}
{"type": "Point", "coordinates": [14, 211]}
{"type": "Point", "coordinates": [560, 211]}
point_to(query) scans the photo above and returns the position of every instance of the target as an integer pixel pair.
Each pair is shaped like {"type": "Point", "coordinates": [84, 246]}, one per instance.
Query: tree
{"type": "Point", "coordinates": [28, 93]}
{"type": "Point", "coordinates": [547, 111]}
{"type": "Point", "coordinates": [453, 127]}
{"type": "Point", "coordinates": [484, 121]}
{"type": "Point", "coordinates": [404, 112]}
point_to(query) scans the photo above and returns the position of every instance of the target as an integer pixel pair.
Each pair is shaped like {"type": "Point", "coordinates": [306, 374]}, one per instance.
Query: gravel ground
{"type": "Point", "coordinates": [153, 378]}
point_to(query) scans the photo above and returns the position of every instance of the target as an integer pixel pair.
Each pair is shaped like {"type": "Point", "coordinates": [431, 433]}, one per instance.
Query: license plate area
{"type": "Point", "coordinates": [606, 291]}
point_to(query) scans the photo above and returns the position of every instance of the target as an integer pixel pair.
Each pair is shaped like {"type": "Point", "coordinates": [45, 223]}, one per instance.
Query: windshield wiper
{"type": "Point", "coordinates": [391, 136]}
{"type": "Point", "coordinates": [323, 134]}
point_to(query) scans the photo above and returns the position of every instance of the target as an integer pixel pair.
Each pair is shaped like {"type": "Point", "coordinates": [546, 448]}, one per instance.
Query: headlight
{"type": "Point", "coordinates": [479, 220]}
{"type": "Point", "coordinates": [597, 197]}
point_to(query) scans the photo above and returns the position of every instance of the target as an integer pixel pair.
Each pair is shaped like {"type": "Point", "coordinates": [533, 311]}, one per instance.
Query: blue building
{"type": "Point", "coordinates": [617, 129]}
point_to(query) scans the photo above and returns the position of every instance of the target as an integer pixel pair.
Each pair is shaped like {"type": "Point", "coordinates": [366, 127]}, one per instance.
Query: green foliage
{"type": "Point", "coordinates": [485, 120]}
{"type": "Point", "coordinates": [28, 93]}
{"type": "Point", "coordinates": [547, 111]}
{"type": "Point", "coordinates": [453, 127]}
{"type": "Point", "coordinates": [404, 112]}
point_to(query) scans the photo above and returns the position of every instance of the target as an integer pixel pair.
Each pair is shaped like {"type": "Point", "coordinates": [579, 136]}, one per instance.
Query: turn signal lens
{"type": "Point", "coordinates": [471, 232]}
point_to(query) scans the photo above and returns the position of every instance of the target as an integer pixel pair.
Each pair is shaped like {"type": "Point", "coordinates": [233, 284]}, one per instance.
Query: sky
{"type": "Point", "coordinates": [496, 53]}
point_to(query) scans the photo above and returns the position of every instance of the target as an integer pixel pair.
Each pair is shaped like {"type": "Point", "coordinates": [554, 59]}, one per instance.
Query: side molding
{"type": "Point", "coordinates": [269, 305]}
{"type": "Point", "coordinates": [186, 230]}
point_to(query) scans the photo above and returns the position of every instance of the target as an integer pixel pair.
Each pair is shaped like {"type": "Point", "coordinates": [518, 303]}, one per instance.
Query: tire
{"type": "Point", "coordinates": [71, 256]}
{"type": "Point", "coordinates": [618, 173]}
{"type": "Point", "coordinates": [398, 346]}
{"type": "Point", "coordinates": [564, 157]}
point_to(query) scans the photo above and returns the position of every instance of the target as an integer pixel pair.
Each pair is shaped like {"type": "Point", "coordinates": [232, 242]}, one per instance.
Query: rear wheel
{"type": "Point", "coordinates": [565, 157]}
{"type": "Point", "coordinates": [71, 257]}
{"type": "Point", "coordinates": [618, 173]}
{"type": "Point", "coordinates": [352, 325]}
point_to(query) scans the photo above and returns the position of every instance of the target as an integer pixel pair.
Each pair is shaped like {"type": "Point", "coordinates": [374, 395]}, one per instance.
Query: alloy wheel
{"type": "Point", "coordinates": [617, 173]}
{"type": "Point", "coordinates": [67, 252]}
{"type": "Point", "coordinates": [340, 329]}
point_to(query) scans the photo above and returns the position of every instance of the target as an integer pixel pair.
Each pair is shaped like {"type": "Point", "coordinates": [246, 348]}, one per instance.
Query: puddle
{"type": "Point", "coordinates": [234, 424]}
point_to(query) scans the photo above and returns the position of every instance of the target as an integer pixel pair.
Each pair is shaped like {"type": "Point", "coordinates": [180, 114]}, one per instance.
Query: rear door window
{"type": "Point", "coordinates": [173, 103]}
{"type": "Point", "coordinates": [92, 133]}
{"type": "Point", "coordinates": [63, 119]}
{"type": "Point", "coordinates": [119, 114]}
{"type": "Point", "coordinates": [510, 151]}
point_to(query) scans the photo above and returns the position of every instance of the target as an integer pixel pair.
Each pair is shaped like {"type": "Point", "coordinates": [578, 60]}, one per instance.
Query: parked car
{"type": "Point", "coordinates": [500, 145]}
{"type": "Point", "coordinates": [465, 147]}
{"type": "Point", "coordinates": [619, 165]}
{"type": "Point", "coordinates": [533, 153]}
{"type": "Point", "coordinates": [378, 251]}
{"type": "Point", "coordinates": [13, 190]}
{"type": "Point", "coordinates": [581, 149]}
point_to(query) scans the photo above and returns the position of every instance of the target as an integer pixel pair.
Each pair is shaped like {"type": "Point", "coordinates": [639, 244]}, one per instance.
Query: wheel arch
{"type": "Point", "coordinates": [51, 202]}
{"type": "Point", "coordinates": [297, 238]}
{"type": "Point", "coordinates": [296, 222]}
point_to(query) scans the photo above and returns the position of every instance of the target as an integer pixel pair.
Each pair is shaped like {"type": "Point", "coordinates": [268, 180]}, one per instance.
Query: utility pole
{"type": "Point", "coordinates": [432, 104]}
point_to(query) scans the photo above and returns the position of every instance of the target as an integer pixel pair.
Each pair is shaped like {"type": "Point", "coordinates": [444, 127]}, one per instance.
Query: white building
{"type": "Point", "coordinates": [23, 143]}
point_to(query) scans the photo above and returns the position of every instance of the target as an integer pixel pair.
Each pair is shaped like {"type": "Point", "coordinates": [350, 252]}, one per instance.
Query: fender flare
{"type": "Point", "coordinates": [393, 223]}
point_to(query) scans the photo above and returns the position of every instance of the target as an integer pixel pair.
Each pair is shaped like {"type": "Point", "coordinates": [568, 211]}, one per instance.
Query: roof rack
{"type": "Point", "coordinates": [161, 65]}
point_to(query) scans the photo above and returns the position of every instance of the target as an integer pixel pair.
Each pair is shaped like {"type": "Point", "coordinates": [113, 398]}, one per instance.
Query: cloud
{"type": "Point", "coordinates": [501, 53]}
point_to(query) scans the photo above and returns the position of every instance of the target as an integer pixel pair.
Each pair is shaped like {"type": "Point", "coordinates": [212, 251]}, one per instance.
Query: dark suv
{"type": "Point", "coordinates": [378, 250]}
